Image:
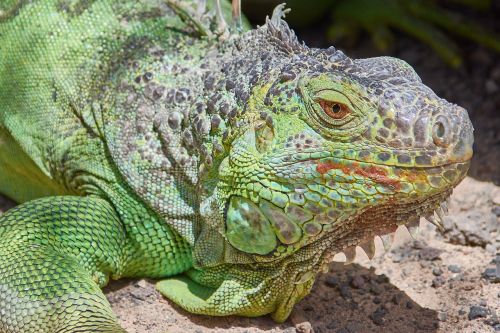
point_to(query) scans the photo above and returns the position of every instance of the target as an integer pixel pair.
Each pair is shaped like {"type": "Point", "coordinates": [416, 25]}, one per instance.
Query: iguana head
{"type": "Point", "coordinates": [323, 153]}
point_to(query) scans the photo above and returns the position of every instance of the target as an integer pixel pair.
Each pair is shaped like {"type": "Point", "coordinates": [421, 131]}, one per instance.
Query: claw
{"type": "Point", "coordinates": [439, 225]}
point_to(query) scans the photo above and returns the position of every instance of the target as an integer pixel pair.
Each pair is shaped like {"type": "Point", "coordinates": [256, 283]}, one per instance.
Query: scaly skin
{"type": "Point", "coordinates": [244, 161]}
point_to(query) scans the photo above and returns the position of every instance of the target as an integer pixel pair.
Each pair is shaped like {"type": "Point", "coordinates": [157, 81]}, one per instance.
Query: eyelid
{"type": "Point", "coordinates": [333, 96]}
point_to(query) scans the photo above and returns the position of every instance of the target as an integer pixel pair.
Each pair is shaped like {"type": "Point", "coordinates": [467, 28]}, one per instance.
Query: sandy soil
{"type": "Point", "coordinates": [421, 285]}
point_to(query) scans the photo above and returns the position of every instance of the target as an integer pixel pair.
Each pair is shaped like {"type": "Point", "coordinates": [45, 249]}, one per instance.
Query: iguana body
{"type": "Point", "coordinates": [140, 146]}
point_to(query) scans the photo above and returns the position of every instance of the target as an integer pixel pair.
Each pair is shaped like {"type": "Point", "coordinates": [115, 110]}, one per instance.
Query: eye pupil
{"type": "Point", "coordinates": [334, 110]}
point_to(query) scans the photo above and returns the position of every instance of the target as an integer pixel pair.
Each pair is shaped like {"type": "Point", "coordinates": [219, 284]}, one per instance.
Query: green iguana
{"type": "Point", "coordinates": [152, 139]}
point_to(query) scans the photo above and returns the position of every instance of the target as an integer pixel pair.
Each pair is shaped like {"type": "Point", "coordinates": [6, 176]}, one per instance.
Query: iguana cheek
{"type": "Point", "coordinates": [286, 230]}
{"type": "Point", "coordinates": [247, 229]}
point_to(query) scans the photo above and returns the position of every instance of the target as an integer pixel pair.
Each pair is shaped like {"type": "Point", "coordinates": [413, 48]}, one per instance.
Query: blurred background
{"type": "Point", "coordinates": [454, 45]}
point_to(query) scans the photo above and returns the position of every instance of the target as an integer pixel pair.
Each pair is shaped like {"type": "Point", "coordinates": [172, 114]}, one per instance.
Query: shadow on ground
{"type": "Point", "coordinates": [348, 299]}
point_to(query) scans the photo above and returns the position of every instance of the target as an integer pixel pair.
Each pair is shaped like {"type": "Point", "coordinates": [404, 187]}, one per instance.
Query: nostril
{"type": "Point", "coordinates": [440, 132]}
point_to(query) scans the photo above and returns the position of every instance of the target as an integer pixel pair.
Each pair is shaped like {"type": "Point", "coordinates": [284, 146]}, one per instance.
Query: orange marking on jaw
{"type": "Point", "coordinates": [377, 174]}
{"type": "Point", "coordinates": [323, 168]}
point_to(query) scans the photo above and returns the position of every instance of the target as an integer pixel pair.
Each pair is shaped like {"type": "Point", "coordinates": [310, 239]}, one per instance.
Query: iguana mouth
{"type": "Point", "coordinates": [279, 223]}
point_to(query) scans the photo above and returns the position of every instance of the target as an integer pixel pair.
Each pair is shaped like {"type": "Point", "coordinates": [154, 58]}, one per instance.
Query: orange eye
{"type": "Point", "coordinates": [334, 110]}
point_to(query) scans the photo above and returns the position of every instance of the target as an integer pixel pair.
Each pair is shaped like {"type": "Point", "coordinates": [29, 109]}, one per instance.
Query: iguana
{"type": "Point", "coordinates": [153, 139]}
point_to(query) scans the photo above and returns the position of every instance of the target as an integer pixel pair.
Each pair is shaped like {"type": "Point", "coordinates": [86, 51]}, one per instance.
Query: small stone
{"type": "Point", "coordinates": [454, 268]}
{"type": "Point", "coordinates": [141, 284]}
{"type": "Point", "coordinates": [436, 271]}
{"type": "Point", "coordinates": [442, 316]}
{"type": "Point", "coordinates": [345, 291]}
{"type": "Point", "coordinates": [382, 278]}
{"type": "Point", "coordinates": [376, 289]}
{"type": "Point", "coordinates": [358, 282]}
{"type": "Point", "coordinates": [378, 316]}
{"type": "Point", "coordinates": [396, 299]}
{"type": "Point", "coordinates": [438, 281]}
{"type": "Point", "coordinates": [377, 300]}
{"type": "Point", "coordinates": [332, 281]}
{"type": "Point", "coordinates": [430, 254]}
{"type": "Point", "coordinates": [477, 312]}
{"type": "Point", "coordinates": [491, 274]}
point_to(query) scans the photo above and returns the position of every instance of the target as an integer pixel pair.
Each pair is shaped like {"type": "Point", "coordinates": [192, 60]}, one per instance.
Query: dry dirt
{"type": "Point", "coordinates": [422, 285]}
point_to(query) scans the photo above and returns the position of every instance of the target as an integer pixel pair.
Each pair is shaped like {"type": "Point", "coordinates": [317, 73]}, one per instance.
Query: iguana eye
{"type": "Point", "coordinates": [334, 110]}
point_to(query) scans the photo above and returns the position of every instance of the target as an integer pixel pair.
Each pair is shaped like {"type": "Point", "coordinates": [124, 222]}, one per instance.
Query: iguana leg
{"type": "Point", "coordinates": [55, 254]}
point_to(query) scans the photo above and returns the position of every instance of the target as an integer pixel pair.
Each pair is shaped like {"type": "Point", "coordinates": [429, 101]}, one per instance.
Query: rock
{"type": "Point", "coordinates": [454, 268]}
{"type": "Point", "coordinates": [378, 316]}
{"type": "Point", "coordinates": [376, 289]}
{"type": "Point", "coordinates": [491, 274]}
{"type": "Point", "coordinates": [430, 254]}
{"type": "Point", "coordinates": [438, 281]}
{"type": "Point", "coordinates": [345, 292]}
{"type": "Point", "coordinates": [302, 325]}
{"type": "Point", "coordinates": [332, 281]}
{"type": "Point", "coordinates": [382, 278]}
{"type": "Point", "coordinates": [442, 316]}
{"type": "Point", "coordinates": [141, 283]}
{"type": "Point", "coordinates": [477, 312]}
{"type": "Point", "coordinates": [357, 282]}
{"type": "Point", "coordinates": [472, 228]}
{"type": "Point", "coordinates": [436, 271]}
{"type": "Point", "coordinates": [396, 299]}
